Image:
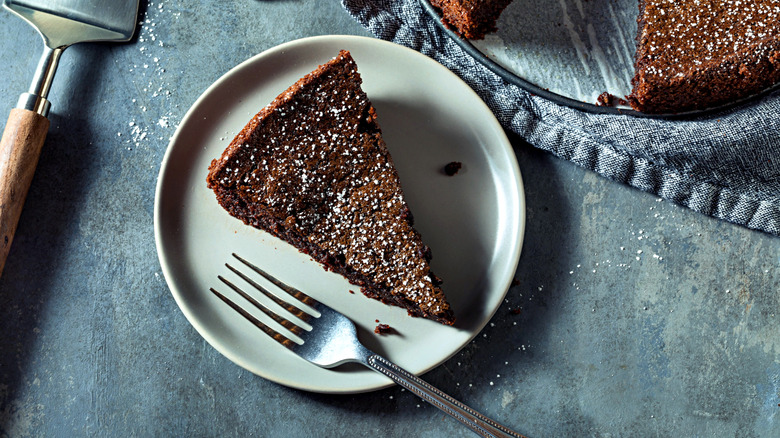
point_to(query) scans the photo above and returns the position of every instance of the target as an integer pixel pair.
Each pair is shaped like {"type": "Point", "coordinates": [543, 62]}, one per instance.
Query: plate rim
{"type": "Point", "coordinates": [518, 192]}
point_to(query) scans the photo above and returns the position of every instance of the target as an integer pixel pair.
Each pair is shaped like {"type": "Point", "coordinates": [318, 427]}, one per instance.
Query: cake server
{"type": "Point", "coordinates": [60, 23]}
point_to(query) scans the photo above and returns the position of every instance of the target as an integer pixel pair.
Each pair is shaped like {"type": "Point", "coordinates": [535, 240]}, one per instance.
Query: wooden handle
{"type": "Point", "coordinates": [20, 148]}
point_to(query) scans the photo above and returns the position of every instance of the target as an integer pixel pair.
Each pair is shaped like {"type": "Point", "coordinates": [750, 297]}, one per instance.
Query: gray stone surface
{"type": "Point", "coordinates": [631, 316]}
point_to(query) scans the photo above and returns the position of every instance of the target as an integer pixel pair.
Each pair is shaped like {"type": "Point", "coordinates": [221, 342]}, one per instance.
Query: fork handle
{"type": "Point", "coordinates": [477, 422]}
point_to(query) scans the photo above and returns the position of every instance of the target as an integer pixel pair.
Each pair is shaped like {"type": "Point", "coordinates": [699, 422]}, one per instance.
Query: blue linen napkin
{"type": "Point", "coordinates": [726, 164]}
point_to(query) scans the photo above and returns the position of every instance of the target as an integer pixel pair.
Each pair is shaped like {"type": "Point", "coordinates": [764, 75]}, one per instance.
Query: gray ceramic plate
{"type": "Point", "coordinates": [473, 221]}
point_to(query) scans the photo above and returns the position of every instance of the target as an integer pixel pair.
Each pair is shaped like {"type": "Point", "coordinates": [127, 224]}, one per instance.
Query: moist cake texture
{"type": "Point", "coordinates": [312, 169]}
{"type": "Point", "coordinates": [701, 53]}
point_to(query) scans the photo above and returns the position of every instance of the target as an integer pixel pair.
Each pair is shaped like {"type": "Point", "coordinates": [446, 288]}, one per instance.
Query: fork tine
{"type": "Point", "coordinates": [295, 293]}
{"type": "Point", "coordinates": [289, 325]}
{"type": "Point", "coordinates": [300, 314]}
{"type": "Point", "coordinates": [278, 337]}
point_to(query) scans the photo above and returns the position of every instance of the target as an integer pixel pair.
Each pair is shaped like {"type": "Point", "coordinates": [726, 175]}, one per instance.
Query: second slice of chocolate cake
{"type": "Point", "coordinates": [472, 19]}
{"type": "Point", "coordinates": [312, 169]}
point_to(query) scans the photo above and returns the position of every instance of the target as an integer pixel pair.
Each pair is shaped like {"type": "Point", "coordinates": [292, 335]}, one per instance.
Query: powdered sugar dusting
{"type": "Point", "coordinates": [154, 83]}
{"type": "Point", "coordinates": [686, 35]}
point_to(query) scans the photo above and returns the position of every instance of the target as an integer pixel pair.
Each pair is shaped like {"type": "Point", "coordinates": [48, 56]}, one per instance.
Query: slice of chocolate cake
{"type": "Point", "coordinates": [312, 169]}
{"type": "Point", "coordinates": [471, 18]}
{"type": "Point", "coordinates": [697, 54]}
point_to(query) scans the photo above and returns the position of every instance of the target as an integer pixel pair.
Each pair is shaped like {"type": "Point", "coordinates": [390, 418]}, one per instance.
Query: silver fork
{"type": "Point", "coordinates": [332, 341]}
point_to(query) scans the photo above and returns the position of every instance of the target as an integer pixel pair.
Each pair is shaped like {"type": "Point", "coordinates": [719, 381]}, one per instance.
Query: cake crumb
{"type": "Point", "coordinates": [605, 99]}
{"type": "Point", "coordinates": [452, 167]}
{"type": "Point", "coordinates": [384, 329]}
{"type": "Point", "coordinates": [608, 99]}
